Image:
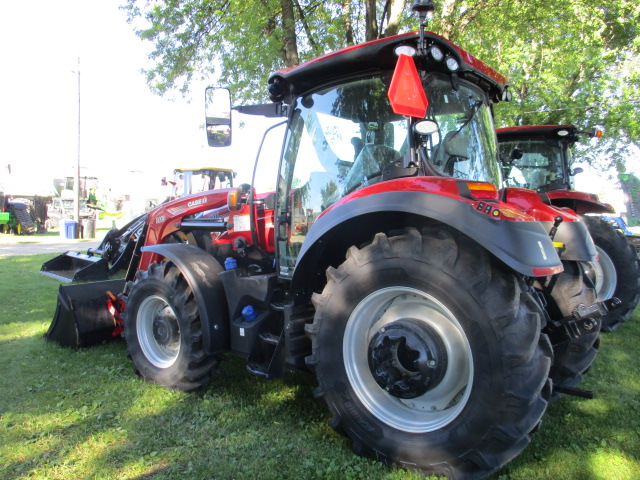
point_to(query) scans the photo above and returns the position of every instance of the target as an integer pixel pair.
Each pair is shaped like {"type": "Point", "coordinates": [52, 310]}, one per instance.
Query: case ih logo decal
{"type": "Point", "coordinates": [200, 201]}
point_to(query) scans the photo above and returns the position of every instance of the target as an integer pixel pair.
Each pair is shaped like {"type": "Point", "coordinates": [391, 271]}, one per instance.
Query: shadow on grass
{"type": "Point", "coordinates": [85, 414]}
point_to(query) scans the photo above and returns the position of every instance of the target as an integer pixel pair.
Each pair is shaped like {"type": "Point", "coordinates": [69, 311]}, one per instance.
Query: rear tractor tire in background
{"type": "Point", "coordinates": [25, 223]}
{"type": "Point", "coordinates": [429, 354]}
{"type": "Point", "coordinates": [163, 330]}
{"type": "Point", "coordinates": [572, 357]}
{"type": "Point", "coordinates": [616, 272]}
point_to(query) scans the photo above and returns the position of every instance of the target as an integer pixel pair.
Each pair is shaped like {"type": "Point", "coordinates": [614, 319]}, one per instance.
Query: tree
{"type": "Point", "coordinates": [243, 42]}
{"type": "Point", "coordinates": [576, 61]}
{"type": "Point", "coordinates": [573, 62]}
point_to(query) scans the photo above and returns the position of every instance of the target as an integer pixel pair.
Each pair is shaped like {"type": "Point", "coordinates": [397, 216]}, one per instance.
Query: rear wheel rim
{"type": "Point", "coordinates": [441, 403]}
{"type": "Point", "coordinates": [158, 331]}
{"type": "Point", "coordinates": [603, 274]}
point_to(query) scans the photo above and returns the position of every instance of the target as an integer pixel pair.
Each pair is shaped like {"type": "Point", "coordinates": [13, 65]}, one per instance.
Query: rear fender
{"type": "Point", "coordinates": [579, 202]}
{"type": "Point", "coordinates": [202, 271]}
{"type": "Point", "coordinates": [524, 246]}
{"type": "Point", "coordinates": [576, 241]}
{"type": "Point", "coordinates": [571, 233]}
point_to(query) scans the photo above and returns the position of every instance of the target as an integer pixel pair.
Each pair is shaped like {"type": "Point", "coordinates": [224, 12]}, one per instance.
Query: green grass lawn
{"type": "Point", "coordinates": [84, 414]}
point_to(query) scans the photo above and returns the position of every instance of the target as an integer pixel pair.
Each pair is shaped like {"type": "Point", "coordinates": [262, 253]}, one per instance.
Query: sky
{"type": "Point", "coordinates": [129, 137]}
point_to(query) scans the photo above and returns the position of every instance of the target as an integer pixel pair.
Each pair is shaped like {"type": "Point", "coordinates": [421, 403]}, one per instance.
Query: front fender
{"type": "Point", "coordinates": [523, 245]}
{"type": "Point", "coordinates": [202, 271]}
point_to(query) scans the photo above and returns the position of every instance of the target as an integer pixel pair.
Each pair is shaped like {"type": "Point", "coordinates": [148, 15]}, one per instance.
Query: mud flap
{"type": "Point", "coordinates": [82, 318]}
{"type": "Point", "coordinates": [75, 267]}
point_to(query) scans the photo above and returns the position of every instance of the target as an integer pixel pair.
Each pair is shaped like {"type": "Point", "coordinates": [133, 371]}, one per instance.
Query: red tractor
{"type": "Point", "coordinates": [438, 314]}
{"type": "Point", "coordinates": [540, 157]}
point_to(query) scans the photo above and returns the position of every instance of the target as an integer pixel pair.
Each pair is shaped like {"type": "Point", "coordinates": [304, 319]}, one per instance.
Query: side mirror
{"type": "Point", "coordinates": [218, 116]}
{"type": "Point", "coordinates": [577, 170]}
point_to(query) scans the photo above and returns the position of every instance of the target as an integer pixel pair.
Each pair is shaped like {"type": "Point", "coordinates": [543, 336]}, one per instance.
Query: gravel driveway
{"type": "Point", "coordinates": [11, 245]}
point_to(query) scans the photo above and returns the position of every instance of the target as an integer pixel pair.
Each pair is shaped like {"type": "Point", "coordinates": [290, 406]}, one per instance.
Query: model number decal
{"type": "Point", "coordinates": [161, 219]}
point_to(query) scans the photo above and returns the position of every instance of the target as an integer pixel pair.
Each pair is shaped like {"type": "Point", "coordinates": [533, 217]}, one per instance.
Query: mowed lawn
{"type": "Point", "coordinates": [68, 414]}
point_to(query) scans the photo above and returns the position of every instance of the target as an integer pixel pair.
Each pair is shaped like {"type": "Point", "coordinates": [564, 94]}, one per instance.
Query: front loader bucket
{"type": "Point", "coordinates": [82, 318]}
{"type": "Point", "coordinates": [74, 266]}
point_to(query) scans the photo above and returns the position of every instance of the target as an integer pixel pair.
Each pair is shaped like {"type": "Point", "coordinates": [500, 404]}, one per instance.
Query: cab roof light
{"type": "Point", "coordinates": [436, 53]}
{"type": "Point", "coordinates": [405, 50]}
{"type": "Point", "coordinates": [452, 63]}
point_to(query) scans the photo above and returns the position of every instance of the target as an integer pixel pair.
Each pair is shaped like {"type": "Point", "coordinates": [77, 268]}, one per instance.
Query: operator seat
{"type": "Point", "coordinates": [454, 148]}
{"type": "Point", "coordinates": [368, 166]}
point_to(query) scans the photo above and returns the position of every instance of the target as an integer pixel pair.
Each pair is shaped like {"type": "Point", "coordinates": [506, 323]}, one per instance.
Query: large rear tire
{"type": "Point", "coordinates": [430, 355]}
{"type": "Point", "coordinates": [163, 330]}
{"type": "Point", "coordinates": [616, 272]}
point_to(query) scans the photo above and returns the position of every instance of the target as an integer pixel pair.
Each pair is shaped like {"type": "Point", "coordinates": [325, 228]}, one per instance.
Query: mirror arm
{"type": "Point", "coordinates": [265, 109]}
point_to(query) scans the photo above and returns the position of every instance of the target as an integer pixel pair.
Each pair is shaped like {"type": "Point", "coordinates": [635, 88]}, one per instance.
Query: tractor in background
{"type": "Point", "coordinates": [540, 157]}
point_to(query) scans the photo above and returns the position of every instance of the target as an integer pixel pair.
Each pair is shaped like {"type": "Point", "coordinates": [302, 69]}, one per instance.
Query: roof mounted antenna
{"type": "Point", "coordinates": [422, 8]}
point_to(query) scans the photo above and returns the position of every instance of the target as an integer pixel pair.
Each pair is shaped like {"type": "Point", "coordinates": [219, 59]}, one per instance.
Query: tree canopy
{"type": "Point", "coordinates": [576, 61]}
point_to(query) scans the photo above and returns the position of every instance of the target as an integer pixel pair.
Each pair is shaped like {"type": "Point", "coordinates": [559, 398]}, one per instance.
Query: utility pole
{"type": "Point", "coordinates": [76, 183]}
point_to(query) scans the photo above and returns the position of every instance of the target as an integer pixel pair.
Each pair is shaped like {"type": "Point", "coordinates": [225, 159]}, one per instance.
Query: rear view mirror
{"type": "Point", "coordinates": [516, 154]}
{"type": "Point", "coordinates": [577, 170]}
{"type": "Point", "coordinates": [218, 116]}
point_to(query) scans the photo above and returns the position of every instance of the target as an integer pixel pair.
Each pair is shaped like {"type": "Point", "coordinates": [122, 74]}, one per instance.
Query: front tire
{"type": "Point", "coordinates": [163, 330]}
{"type": "Point", "coordinates": [616, 272]}
{"type": "Point", "coordinates": [430, 355]}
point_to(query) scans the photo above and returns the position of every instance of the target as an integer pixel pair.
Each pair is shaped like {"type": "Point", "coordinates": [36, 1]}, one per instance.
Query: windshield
{"type": "Point", "coordinates": [340, 139]}
{"type": "Point", "coordinates": [540, 167]}
{"type": "Point", "coordinates": [465, 144]}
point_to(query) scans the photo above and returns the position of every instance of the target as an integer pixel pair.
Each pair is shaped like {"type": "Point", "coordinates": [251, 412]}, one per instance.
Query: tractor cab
{"type": "Point", "coordinates": [194, 180]}
{"type": "Point", "coordinates": [412, 105]}
{"type": "Point", "coordinates": [539, 157]}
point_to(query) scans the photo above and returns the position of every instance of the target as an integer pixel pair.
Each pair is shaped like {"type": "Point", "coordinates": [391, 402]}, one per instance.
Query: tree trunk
{"type": "Point", "coordinates": [290, 46]}
{"type": "Point", "coordinates": [348, 27]}
{"type": "Point", "coordinates": [371, 25]}
{"type": "Point", "coordinates": [394, 10]}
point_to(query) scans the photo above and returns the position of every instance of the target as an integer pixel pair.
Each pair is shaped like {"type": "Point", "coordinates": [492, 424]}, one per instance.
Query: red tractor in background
{"type": "Point", "coordinates": [540, 157]}
{"type": "Point", "coordinates": [439, 313]}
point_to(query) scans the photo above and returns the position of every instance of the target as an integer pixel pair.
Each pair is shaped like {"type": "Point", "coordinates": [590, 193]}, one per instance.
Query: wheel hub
{"type": "Point", "coordinates": [165, 329]}
{"type": "Point", "coordinates": [407, 358]}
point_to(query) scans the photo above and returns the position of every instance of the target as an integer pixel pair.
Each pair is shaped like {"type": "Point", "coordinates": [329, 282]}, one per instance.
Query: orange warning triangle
{"type": "Point", "coordinates": [405, 93]}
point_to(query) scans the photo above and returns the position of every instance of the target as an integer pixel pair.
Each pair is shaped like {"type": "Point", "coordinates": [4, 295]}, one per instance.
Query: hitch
{"type": "Point", "coordinates": [574, 391]}
{"type": "Point", "coordinates": [584, 319]}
